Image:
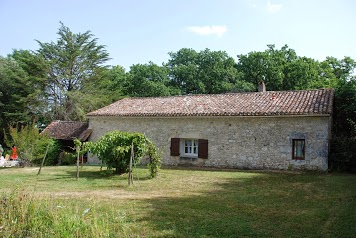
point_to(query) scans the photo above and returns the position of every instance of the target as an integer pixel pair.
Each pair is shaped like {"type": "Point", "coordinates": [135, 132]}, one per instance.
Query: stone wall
{"type": "Point", "coordinates": [235, 142]}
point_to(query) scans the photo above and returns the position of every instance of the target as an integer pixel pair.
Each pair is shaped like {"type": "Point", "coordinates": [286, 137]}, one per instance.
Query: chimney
{"type": "Point", "coordinates": [261, 86]}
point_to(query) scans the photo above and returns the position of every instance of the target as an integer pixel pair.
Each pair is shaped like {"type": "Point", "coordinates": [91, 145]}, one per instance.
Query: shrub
{"type": "Point", "coordinates": [343, 154]}
{"type": "Point", "coordinates": [114, 148]}
{"type": "Point", "coordinates": [31, 145]}
{"type": "Point", "coordinates": [69, 158]}
{"type": "Point", "coordinates": [52, 154]}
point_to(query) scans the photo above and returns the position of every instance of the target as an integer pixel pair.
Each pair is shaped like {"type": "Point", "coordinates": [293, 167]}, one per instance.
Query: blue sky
{"type": "Point", "coordinates": [141, 31]}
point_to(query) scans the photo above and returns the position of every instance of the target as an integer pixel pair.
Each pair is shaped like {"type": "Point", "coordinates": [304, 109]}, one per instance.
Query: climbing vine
{"type": "Point", "coordinates": [114, 149]}
{"type": "Point", "coordinates": [155, 158]}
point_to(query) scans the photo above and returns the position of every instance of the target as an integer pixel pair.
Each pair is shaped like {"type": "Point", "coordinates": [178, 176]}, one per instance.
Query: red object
{"type": "Point", "coordinates": [14, 153]}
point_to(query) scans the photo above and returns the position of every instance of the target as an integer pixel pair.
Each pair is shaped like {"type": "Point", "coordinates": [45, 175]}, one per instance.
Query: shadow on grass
{"type": "Point", "coordinates": [103, 174]}
{"type": "Point", "coordinates": [268, 205]}
{"type": "Point", "coordinates": [205, 215]}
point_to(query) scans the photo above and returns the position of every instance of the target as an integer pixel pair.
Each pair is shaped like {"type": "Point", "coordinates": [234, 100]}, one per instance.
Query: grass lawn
{"type": "Point", "coordinates": [179, 203]}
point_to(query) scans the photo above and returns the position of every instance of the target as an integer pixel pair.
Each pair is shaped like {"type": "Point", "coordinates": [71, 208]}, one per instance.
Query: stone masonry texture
{"type": "Point", "coordinates": [234, 142]}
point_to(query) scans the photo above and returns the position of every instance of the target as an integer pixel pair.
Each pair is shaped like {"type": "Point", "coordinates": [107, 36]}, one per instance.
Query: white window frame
{"type": "Point", "coordinates": [183, 147]}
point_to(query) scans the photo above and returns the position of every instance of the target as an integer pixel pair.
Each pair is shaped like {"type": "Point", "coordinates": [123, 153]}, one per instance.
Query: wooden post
{"type": "Point", "coordinates": [78, 159]}
{"type": "Point", "coordinates": [130, 167]}
{"type": "Point", "coordinates": [43, 160]}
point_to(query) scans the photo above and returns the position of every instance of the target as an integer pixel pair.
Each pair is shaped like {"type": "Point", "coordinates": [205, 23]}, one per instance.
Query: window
{"type": "Point", "coordinates": [189, 147]}
{"type": "Point", "coordinates": [298, 149]}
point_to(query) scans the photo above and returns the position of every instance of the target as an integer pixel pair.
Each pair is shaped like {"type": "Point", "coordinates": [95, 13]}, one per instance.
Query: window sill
{"type": "Point", "coordinates": [188, 158]}
{"type": "Point", "coordinates": [189, 155]}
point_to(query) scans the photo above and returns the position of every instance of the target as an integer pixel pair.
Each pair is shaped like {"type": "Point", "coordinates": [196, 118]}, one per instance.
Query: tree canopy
{"type": "Point", "coordinates": [148, 80]}
{"type": "Point", "coordinates": [72, 61]}
{"type": "Point", "coordinates": [204, 72]}
{"type": "Point", "coordinates": [16, 93]}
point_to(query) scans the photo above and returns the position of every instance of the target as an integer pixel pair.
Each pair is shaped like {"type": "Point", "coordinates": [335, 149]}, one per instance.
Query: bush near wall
{"type": "Point", "coordinates": [343, 154]}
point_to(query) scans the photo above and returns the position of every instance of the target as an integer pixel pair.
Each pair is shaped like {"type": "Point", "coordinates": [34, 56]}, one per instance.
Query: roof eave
{"type": "Point", "coordinates": [200, 116]}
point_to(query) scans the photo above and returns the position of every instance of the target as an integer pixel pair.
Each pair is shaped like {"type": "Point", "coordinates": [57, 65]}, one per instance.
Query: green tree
{"type": "Point", "coordinates": [22, 81]}
{"type": "Point", "coordinates": [345, 108]}
{"type": "Point", "coordinates": [204, 72]}
{"type": "Point", "coordinates": [106, 88]}
{"type": "Point", "coordinates": [36, 69]}
{"type": "Point", "coordinates": [283, 69]}
{"type": "Point", "coordinates": [16, 94]}
{"type": "Point", "coordinates": [272, 66]}
{"type": "Point", "coordinates": [111, 83]}
{"type": "Point", "coordinates": [339, 74]}
{"type": "Point", "coordinates": [343, 143]}
{"type": "Point", "coordinates": [342, 69]}
{"type": "Point", "coordinates": [148, 80]}
{"type": "Point", "coordinates": [32, 63]}
{"type": "Point", "coordinates": [301, 73]}
{"type": "Point", "coordinates": [72, 61]}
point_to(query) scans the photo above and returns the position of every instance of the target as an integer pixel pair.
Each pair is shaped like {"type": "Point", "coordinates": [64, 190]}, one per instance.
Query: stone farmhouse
{"type": "Point", "coordinates": [255, 130]}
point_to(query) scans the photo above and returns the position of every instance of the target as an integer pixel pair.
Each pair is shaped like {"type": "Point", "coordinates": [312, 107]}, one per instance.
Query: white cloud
{"type": "Point", "coordinates": [208, 30]}
{"type": "Point", "coordinates": [252, 3]}
{"type": "Point", "coordinates": [273, 8]}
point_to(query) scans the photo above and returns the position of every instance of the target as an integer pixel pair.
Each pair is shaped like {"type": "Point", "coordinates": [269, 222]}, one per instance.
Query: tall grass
{"type": "Point", "coordinates": [24, 215]}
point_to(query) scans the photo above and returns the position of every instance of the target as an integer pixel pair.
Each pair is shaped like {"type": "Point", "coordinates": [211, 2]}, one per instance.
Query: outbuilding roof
{"type": "Point", "coordinates": [270, 103]}
{"type": "Point", "coordinates": [68, 130]}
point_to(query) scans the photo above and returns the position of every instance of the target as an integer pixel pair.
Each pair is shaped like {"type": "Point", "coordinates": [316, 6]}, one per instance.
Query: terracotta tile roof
{"type": "Point", "coordinates": [270, 103]}
{"type": "Point", "coordinates": [68, 130]}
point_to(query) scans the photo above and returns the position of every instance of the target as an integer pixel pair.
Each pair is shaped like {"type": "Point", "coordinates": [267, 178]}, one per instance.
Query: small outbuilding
{"type": "Point", "coordinates": [66, 131]}
{"type": "Point", "coordinates": [256, 130]}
